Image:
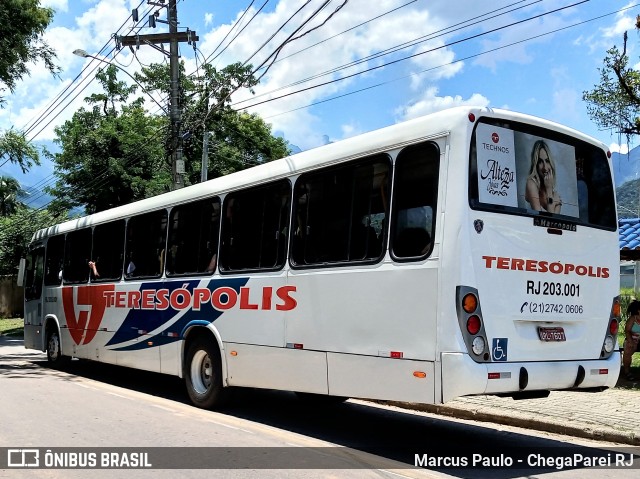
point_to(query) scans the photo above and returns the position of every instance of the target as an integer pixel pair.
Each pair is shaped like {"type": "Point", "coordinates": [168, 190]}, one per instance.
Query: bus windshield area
{"type": "Point", "coordinates": [530, 171]}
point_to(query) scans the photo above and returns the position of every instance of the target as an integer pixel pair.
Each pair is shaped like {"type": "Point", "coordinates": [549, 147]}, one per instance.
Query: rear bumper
{"type": "Point", "coordinates": [461, 376]}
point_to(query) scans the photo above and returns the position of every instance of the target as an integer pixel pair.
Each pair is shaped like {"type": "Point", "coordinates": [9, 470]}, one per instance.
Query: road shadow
{"type": "Point", "coordinates": [624, 382]}
{"type": "Point", "coordinates": [371, 436]}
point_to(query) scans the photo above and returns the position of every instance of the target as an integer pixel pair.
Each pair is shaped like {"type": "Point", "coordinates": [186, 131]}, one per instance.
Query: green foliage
{"type": "Point", "coordinates": [239, 140]}
{"type": "Point", "coordinates": [9, 191]}
{"type": "Point", "coordinates": [16, 231]}
{"type": "Point", "coordinates": [23, 23]}
{"type": "Point", "coordinates": [615, 102]}
{"type": "Point", "coordinates": [116, 152]}
{"type": "Point", "coordinates": [15, 146]}
{"type": "Point", "coordinates": [110, 155]}
{"type": "Point", "coordinates": [628, 198]}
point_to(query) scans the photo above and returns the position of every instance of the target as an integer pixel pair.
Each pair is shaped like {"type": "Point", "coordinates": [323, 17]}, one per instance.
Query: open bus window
{"type": "Point", "coordinates": [255, 227]}
{"type": "Point", "coordinates": [415, 197]}
{"type": "Point", "coordinates": [530, 171]}
{"type": "Point", "coordinates": [108, 250]}
{"type": "Point", "coordinates": [340, 213]}
{"type": "Point", "coordinates": [193, 238]}
{"type": "Point", "coordinates": [34, 272]}
{"type": "Point", "coordinates": [54, 261]}
{"type": "Point", "coordinates": [146, 237]}
{"type": "Point", "coordinates": [77, 254]}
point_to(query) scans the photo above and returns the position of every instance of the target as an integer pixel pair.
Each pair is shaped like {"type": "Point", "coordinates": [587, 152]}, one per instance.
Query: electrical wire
{"type": "Point", "coordinates": [438, 33]}
{"type": "Point", "coordinates": [415, 55]}
{"type": "Point", "coordinates": [466, 58]}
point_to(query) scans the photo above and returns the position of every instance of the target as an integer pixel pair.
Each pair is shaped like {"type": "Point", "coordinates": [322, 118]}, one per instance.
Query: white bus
{"type": "Point", "coordinates": [420, 262]}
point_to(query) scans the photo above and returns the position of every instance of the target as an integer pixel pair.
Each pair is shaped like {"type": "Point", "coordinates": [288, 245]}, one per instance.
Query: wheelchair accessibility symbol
{"type": "Point", "coordinates": [499, 349]}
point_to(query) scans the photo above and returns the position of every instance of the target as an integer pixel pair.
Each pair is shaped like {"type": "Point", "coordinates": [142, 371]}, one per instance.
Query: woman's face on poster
{"type": "Point", "coordinates": [544, 164]}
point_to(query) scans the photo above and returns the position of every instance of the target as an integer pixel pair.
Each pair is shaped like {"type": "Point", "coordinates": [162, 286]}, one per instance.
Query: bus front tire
{"type": "Point", "coordinates": [54, 349]}
{"type": "Point", "coordinates": [203, 375]}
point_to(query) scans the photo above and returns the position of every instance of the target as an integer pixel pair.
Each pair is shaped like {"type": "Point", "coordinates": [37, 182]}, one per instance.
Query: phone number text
{"type": "Point", "coordinates": [557, 308]}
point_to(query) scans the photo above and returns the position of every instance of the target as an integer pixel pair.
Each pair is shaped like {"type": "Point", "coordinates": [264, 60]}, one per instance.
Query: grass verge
{"type": "Point", "coordinates": [11, 327]}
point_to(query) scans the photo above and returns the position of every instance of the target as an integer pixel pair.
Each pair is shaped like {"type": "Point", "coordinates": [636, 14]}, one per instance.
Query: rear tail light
{"type": "Point", "coordinates": [615, 309]}
{"type": "Point", "coordinates": [611, 334]}
{"type": "Point", "coordinates": [471, 323]}
{"type": "Point", "coordinates": [469, 303]}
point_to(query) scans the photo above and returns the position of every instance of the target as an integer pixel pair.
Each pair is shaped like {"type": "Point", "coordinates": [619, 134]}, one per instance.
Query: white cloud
{"type": "Point", "coordinates": [430, 102]}
{"type": "Point", "coordinates": [350, 129]}
{"type": "Point", "coordinates": [208, 19]}
{"type": "Point", "coordinates": [616, 148]}
{"type": "Point", "coordinates": [624, 21]}
{"type": "Point", "coordinates": [328, 62]}
{"type": "Point", "coordinates": [57, 5]}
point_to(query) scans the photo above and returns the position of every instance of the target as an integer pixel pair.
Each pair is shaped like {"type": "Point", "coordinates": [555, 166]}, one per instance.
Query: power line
{"type": "Point", "coordinates": [370, 87]}
{"type": "Point", "coordinates": [483, 53]}
{"type": "Point", "coordinates": [438, 33]}
{"type": "Point", "coordinates": [50, 107]}
{"type": "Point", "coordinates": [238, 34]}
{"type": "Point", "coordinates": [235, 25]}
{"type": "Point", "coordinates": [348, 30]}
{"type": "Point", "coordinates": [377, 67]}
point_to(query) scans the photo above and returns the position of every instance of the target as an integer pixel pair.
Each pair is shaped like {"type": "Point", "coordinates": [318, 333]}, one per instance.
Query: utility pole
{"type": "Point", "coordinates": [173, 38]}
{"type": "Point", "coordinates": [205, 155]}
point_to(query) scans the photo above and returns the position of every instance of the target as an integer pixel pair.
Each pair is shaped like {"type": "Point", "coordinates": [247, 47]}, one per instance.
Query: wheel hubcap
{"type": "Point", "coordinates": [201, 372]}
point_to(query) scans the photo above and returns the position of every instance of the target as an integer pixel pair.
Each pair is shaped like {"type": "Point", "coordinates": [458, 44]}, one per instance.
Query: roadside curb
{"type": "Point", "coordinates": [584, 432]}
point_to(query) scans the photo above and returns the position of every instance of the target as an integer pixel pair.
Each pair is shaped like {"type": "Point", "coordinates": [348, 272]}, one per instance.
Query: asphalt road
{"type": "Point", "coordinates": [93, 408]}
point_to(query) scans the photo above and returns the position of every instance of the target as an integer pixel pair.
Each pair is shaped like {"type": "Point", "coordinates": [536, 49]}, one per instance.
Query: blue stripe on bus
{"type": "Point", "coordinates": [150, 320]}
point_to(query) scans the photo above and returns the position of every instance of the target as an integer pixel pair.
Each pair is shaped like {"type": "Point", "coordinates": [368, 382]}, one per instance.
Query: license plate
{"type": "Point", "coordinates": [551, 334]}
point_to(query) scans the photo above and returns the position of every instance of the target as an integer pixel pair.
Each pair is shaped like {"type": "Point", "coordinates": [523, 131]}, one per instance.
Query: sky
{"type": "Point", "coordinates": [362, 65]}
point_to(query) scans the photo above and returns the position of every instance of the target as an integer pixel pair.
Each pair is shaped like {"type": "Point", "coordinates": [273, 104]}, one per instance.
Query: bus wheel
{"type": "Point", "coordinates": [54, 351]}
{"type": "Point", "coordinates": [203, 374]}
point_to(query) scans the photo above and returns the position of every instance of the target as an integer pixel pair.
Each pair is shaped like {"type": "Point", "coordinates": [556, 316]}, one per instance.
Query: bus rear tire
{"type": "Point", "coordinates": [54, 349]}
{"type": "Point", "coordinates": [203, 374]}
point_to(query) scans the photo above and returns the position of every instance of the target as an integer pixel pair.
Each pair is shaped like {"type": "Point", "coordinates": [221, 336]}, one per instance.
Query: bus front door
{"type": "Point", "coordinates": [34, 273]}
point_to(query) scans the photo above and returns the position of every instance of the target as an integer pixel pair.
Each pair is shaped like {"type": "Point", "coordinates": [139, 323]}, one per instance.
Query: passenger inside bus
{"type": "Point", "coordinates": [212, 264]}
{"type": "Point", "coordinates": [411, 242]}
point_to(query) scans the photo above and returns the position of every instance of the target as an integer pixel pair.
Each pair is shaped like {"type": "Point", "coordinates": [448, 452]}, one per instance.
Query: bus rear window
{"type": "Point", "coordinates": [526, 170]}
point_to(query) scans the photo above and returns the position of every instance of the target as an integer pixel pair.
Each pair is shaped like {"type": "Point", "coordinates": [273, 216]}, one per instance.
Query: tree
{"type": "Point", "coordinates": [111, 154]}
{"type": "Point", "coordinates": [18, 150]}
{"type": "Point", "coordinates": [615, 102]}
{"type": "Point", "coordinates": [24, 22]}
{"type": "Point", "coordinates": [9, 191]}
{"type": "Point", "coordinates": [16, 231]}
{"type": "Point", "coordinates": [239, 140]}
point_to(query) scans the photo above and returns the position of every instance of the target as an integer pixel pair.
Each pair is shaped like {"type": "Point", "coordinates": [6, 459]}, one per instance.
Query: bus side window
{"type": "Point", "coordinates": [193, 237]}
{"type": "Point", "coordinates": [341, 213]}
{"type": "Point", "coordinates": [54, 260]}
{"type": "Point", "coordinates": [254, 229]}
{"type": "Point", "coordinates": [77, 254]}
{"type": "Point", "coordinates": [145, 245]}
{"type": "Point", "coordinates": [108, 250]}
{"type": "Point", "coordinates": [414, 203]}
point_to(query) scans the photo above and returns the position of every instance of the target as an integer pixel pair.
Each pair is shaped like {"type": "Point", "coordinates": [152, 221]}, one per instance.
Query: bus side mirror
{"type": "Point", "coordinates": [21, 268]}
